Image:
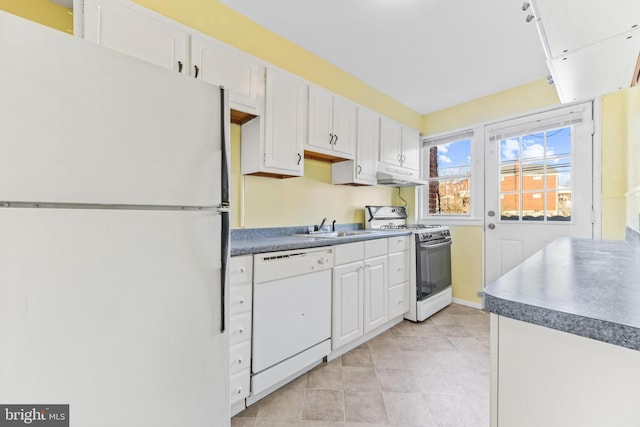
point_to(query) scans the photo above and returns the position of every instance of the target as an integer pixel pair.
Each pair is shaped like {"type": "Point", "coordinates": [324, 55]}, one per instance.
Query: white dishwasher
{"type": "Point", "coordinates": [291, 315]}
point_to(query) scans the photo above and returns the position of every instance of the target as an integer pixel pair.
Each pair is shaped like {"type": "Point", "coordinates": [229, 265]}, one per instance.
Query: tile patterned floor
{"type": "Point", "coordinates": [434, 373]}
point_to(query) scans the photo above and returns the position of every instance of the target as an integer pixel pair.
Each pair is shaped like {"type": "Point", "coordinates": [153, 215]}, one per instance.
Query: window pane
{"type": "Point", "coordinates": [533, 176]}
{"type": "Point", "coordinates": [533, 206]}
{"type": "Point", "coordinates": [533, 146]}
{"type": "Point", "coordinates": [510, 207]}
{"type": "Point", "coordinates": [452, 159]}
{"type": "Point", "coordinates": [449, 171]}
{"type": "Point", "coordinates": [509, 149]}
{"type": "Point", "coordinates": [559, 205]}
{"type": "Point", "coordinates": [449, 197]}
{"type": "Point", "coordinates": [559, 142]}
{"type": "Point", "coordinates": [559, 173]}
{"type": "Point", "coordinates": [509, 177]}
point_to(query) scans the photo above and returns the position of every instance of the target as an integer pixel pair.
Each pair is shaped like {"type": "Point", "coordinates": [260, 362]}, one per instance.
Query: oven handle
{"type": "Point", "coordinates": [439, 245]}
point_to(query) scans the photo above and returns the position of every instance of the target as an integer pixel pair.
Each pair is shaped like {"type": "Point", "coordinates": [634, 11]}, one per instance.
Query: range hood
{"type": "Point", "coordinates": [398, 177]}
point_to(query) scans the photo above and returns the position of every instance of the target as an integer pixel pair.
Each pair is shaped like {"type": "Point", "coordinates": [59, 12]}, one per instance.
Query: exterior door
{"type": "Point", "coordinates": [538, 184]}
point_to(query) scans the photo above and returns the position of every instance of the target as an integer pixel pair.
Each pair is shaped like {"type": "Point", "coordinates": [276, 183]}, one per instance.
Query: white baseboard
{"type": "Point", "coordinates": [468, 303]}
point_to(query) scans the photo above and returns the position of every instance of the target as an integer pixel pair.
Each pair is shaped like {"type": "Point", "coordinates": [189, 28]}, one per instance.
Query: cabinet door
{"type": "Point", "coordinates": [136, 31]}
{"type": "Point", "coordinates": [320, 119]}
{"type": "Point", "coordinates": [221, 65]}
{"type": "Point", "coordinates": [347, 323]}
{"type": "Point", "coordinates": [410, 148]}
{"type": "Point", "coordinates": [345, 122]}
{"type": "Point", "coordinates": [368, 141]}
{"type": "Point", "coordinates": [375, 293]}
{"type": "Point", "coordinates": [285, 129]}
{"type": "Point", "coordinates": [390, 142]}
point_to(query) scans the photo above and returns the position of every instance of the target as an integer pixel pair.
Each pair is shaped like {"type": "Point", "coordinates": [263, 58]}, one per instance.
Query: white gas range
{"type": "Point", "coordinates": [430, 259]}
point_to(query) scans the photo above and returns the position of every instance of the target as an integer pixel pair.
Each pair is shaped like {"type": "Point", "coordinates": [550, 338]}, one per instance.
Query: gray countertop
{"type": "Point", "coordinates": [585, 287]}
{"type": "Point", "coordinates": [260, 240]}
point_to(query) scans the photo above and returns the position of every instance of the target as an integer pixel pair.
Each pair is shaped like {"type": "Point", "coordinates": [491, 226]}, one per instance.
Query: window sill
{"type": "Point", "coordinates": [442, 220]}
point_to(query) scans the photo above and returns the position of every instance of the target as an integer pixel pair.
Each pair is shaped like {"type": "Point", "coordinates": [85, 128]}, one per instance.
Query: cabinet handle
{"type": "Point", "coordinates": [399, 268]}
{"type": "Point", "coordinates": [299, 158]}
{"type": "Point", "coordinates": [240, 360]}
{"type": "Point", "coordinates": [359, 170]}
{"type": "Point", "coordinates": [195, 67]}
{"type": "Point", "coordinates": [240, 331]}
{"type": "Point", "coordinates": [241, 301]}
{"type": "Point", "coordinates": [400, 301]}
{"type": "Point", "coordinates": [239, 390]}
{"type": "Point", "coordinates": [179, 66]}
{"type": "Point", "coordinates": [242, 270]}
{"type": "Point", "coordinates": [331, 138]}
{"type": "Point", "coordinates": [336, 141]}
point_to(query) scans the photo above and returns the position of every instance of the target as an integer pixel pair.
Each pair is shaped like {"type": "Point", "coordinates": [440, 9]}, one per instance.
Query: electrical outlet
{"type": "Point", "coordinates": [480, 294]}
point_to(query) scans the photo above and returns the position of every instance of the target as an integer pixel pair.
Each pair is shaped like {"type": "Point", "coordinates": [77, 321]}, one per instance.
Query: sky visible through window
{"type": "Point", "coordinates": [454, 158]}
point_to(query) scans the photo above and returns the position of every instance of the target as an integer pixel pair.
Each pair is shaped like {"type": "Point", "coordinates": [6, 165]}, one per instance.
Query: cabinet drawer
{"type": "Point", "coordinates": [398, 300]}
{"type": "Point", "coordinates": [374, 248]}
{"type": "Point", "coordinates": [241, 269]}
{"type": "Point", "coordinates": [240, 299]}
{"type": "Point", "coordinates": [240, 328]}
{"type": "Point", "coordinates": [399, 244]}
{"type": "Point", "coordinates": [398, 268]}
{"type": "Point", "coordinates": [351, 252]}
{"type": "Point", "coordinates": [239, 385]}
{"type": "Point", "coordinates": [240, 356]}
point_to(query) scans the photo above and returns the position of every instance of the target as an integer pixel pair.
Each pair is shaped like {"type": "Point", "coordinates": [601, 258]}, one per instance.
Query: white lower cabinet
{"type": "Point", "coordinates": [359, 290]}
{"type": "Point", "coordinates": [240, 295]}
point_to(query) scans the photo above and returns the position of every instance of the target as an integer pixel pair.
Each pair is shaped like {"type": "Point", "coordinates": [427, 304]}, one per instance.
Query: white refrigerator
{"type": "Point", "coordinates": [113, 235]}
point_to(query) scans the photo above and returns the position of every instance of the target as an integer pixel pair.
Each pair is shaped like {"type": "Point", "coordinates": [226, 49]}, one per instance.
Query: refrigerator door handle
{"type": "Point", "coordinates": [224, 208]}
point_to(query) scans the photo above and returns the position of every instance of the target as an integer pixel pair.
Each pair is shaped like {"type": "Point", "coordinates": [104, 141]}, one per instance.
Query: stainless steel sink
{"type": "Point", "coordinates": [333, 234]}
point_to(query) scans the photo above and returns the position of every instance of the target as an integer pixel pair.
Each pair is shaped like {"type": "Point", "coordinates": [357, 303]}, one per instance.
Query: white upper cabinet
{"type": "Point", "coordinates": [586, 54]}
{"type": "Point", "coordinates": [272, 144]}
{"type": "Point", "coordinates": [390, 142]}
{"type": "Point", "coordinates": [134, 30]}
{"type": "Point", "coordinates": [410, 148]}
{"type": "Point", "coordinates": [399, 145]}
{"type": "Point", "coordinates": [362, 170]}
{"type": "Point", "coordinates": [222, 65]}
{"type": "Point", "coordinates": [332, 124]}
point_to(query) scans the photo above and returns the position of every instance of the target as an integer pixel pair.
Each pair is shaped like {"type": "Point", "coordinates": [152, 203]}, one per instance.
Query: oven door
{"type": "Point", "coordinates": [433, 268]}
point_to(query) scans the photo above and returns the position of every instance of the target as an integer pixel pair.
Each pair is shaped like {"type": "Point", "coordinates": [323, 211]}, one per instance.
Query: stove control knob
{"type": "Point", "coordinates": [428, 236]}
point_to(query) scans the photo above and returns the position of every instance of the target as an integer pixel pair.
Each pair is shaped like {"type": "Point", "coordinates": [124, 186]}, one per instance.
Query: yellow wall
{"type": "Point", "coordinates": [614, 167]}
{"type": "Point", "coordinates": [267, 202]}
{"type": "Point", "coordinates": [633, 156]}
{"type": "Point", "coordinates": [531, 96]}
{"type": "Point", "coordinates": [466, 262]}
{"type": "Point", "coordinates": [42, 11]}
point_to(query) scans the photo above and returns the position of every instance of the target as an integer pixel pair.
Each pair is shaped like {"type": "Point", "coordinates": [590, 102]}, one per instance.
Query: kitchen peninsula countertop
{"type": "Point", "coordinates": [585, 287]}
{"type": "Point", "coordinates": [260, 240]}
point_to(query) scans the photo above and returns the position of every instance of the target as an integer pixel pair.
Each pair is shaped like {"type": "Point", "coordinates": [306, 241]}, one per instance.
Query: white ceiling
{"type": "Point", "coordinates": [427, 54]}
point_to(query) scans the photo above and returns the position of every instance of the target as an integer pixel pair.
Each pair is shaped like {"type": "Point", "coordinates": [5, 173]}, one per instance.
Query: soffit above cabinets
{"type": "Point", "coordinates": [591, 46]}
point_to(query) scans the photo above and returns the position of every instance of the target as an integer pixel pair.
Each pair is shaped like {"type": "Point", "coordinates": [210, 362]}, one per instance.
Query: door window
{"type": "Point", "coordinates": [535, 175]}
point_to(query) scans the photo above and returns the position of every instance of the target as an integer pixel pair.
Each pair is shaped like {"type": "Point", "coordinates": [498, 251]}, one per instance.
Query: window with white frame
{"type": "Point", "coordinates": [447, 166]}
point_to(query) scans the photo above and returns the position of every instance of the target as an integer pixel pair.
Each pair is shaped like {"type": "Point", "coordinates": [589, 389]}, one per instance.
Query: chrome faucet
{"type": "Point", "coordinates": [319, 227]}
